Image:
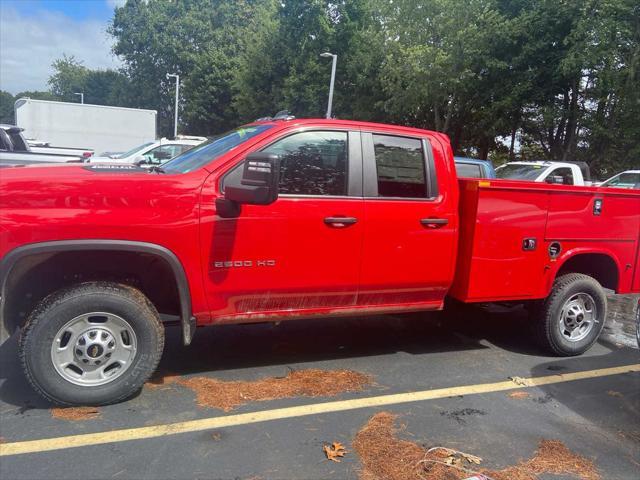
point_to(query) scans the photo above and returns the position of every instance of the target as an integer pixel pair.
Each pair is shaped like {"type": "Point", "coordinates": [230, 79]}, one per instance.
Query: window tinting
{"type": "Point", "coordinates": [400, 165]}
{"type": "Point", "coordinates": [312, 163]}
{"type": "Point", "coordinates": [468, 170]}
{"type": "Point", "coordinates": [18, 142]}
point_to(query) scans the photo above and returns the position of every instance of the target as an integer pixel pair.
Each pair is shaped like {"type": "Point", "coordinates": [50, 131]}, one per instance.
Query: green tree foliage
{"type": "Point", "coordinates": [6, 107]}
{"type": "Point", "coordinates": [201, 40]}
{"type": "Point", "coordinates": [100, 87]}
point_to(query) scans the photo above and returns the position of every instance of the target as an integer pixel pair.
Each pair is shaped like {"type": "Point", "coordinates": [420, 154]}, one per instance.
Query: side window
{"type": "Point", "coordinates": [312, 163]}
{"type": "Point", "coordinates": [400, 165]}
{"type": "Point", "coordinates": [5, 142]}
{"type": "Point", "coordinates": [162, 154]}
{"type": "Point", "coordinates": [564, 173]}
{"type": "Point", "coordinates": [468, 170]}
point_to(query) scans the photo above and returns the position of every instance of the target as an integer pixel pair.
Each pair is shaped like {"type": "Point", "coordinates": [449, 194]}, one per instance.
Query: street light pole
{"type": "Point", "coordinates": [81, 96]}
{"type": "Point", "coordinates": [175, 120]}
{"type": "Point", "coordinates": [333, 78]}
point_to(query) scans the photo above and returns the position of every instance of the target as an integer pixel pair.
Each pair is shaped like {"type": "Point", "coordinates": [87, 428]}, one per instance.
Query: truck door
{"type": "Point", "coordinates": [301, 253]}
{"type": "Point", "coordinates": [410, 223]}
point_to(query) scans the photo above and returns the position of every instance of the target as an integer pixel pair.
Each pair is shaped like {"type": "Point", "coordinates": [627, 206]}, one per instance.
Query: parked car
{"type": "Point", "coordinates": [15, 151]}
{"type": "Point", "coordinates": [289, 219]}
{"type": "Point", "coordinates": [562, 173]}
{"type": "Point", "coordinates": [474, 168]}
{"type": "Point", "coordinates": [152, 153]}
{"type": "Point", "coordinates": [628, 179]}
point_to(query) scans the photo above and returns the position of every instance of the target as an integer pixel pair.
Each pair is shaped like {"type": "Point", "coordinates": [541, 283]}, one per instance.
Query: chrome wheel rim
{"type": "Point", "coordinates": [578, 317]}
{"type": "Point", "coordinates": [93, 349]}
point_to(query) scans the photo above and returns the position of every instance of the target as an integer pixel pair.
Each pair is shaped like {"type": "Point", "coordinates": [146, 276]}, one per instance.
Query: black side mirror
{"type": "Point", "coordinates": [259, 184]}
{"type": "Point", "coordinates": [555, 179]}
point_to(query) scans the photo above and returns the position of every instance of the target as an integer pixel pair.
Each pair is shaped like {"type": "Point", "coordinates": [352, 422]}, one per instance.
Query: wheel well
{"type": "Point", "coordinates": [35, 276]}
{"type": "Point", "coordinates": [596, 265]}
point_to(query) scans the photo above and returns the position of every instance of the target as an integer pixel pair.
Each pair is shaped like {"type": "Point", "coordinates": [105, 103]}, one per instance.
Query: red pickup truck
{"type": "Point", "coordinates": [285, 219]}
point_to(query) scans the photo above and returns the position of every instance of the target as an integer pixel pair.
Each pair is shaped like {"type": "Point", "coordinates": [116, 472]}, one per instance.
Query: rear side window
{"type": "Point", "coordinates": [400, 167]}
{"type": "Point", "coordinates": [312, 163]}
{"type": "Point", "coordinates": [468, 170]}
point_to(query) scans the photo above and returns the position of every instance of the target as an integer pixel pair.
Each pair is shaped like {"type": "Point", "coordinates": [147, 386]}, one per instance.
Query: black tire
{"type": "Point", "coordinates": [548, 317]}
{"type": "Point", "coordinates": [56, 310]}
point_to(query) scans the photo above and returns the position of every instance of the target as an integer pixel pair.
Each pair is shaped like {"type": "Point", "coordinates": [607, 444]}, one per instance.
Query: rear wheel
{"type": "Point", "coordinates": [570, 320]}
{"type": "Point", "coordinates": [91, 344]}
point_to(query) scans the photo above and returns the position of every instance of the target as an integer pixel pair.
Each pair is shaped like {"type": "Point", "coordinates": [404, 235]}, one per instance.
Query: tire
{"type": "Point", "coordinates": [91, 344]}
{"type": "Point", "coordinates": [570, 320]}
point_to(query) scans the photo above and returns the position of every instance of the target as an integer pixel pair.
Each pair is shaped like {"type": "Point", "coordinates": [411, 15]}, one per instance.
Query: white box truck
{"type": "Point", "coordinates": [81, 125]}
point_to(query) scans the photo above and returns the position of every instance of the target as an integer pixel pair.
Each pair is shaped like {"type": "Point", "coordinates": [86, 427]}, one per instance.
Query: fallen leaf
{"type": "Point", "coordinates": [334, 451]}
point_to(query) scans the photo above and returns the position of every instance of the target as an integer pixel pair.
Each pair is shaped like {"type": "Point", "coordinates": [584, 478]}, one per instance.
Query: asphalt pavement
{"type": "Point", "coordinates": [164, 433]}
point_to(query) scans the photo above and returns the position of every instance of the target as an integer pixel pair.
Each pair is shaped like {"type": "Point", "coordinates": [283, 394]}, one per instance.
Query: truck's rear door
{"type": "Point", "coordinates": [410, 222]}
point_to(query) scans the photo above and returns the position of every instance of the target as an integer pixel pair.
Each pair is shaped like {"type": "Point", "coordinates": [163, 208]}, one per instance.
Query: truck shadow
{"type": "Point", "coordinates": [292, 342]}
{"type": "Point", "coordinates": [231, 347]}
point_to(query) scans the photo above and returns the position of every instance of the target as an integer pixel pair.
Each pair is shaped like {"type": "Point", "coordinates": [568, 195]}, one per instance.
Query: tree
{"type": "Point", "coordinates": [99, 87]}
{"type": "Point", "coordinates": [69, 77]}
{"type": "Point", "coordinates": [191, 38]}
{"type": "Point", "coordinates": [282, 67]}
{"type": "Point", "coordinates": [6, 107]}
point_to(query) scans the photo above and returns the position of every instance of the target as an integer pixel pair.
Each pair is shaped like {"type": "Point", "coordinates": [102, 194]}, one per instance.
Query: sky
{"type": "Point", "coordinates": [34, 33]}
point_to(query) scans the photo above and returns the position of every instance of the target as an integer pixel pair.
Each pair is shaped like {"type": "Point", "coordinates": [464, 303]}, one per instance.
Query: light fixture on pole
{"type": "Point", "coordinates": [175, 121]}
{"type": "Point", "coordinates": [81, 96]}
{"type": "Point", "coordinates": [333, 78]}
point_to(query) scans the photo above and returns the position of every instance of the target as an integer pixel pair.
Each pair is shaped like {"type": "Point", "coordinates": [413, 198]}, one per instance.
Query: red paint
{"type": "Point", "coordinates": [385, 262]}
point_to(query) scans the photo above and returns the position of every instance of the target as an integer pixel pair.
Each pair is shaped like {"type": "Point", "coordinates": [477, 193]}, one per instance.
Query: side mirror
{"type": "Point", "coordinates": [555, 179]}
{"type": "Point", "coordinates": [259, 184]}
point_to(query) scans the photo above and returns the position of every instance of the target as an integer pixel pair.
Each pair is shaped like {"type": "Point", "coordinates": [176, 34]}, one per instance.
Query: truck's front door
{"type": "Point", "coordinates": [410, 223]}
{"type": "Point", "coordinates": [301, 253]}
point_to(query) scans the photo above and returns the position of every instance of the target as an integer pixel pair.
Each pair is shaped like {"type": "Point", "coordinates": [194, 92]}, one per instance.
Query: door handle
{"type": "Point", "coordinates": [340, 222]}
{"type": "Point", "coordinates": [434, 222]}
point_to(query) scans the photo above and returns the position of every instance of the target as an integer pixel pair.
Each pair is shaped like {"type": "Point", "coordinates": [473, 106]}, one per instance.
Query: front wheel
{"type": "Point", "coordinates": [570, 320]}
{"type": "Point", "coordinates": [91, 344]}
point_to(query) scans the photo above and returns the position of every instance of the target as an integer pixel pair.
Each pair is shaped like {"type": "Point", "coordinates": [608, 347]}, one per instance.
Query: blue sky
{"type": "Point", "coordinates": [33, 33]}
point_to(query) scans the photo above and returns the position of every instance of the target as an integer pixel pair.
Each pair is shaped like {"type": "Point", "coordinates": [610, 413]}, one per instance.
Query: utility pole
{"type": "Point", "coordinates": [175, 120]}
{"type": "Point", "coordinates": [333, 78]}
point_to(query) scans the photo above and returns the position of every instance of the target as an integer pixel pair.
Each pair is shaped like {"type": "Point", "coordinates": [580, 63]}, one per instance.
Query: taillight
{"type": "Point", "coordinates": [86, 154]}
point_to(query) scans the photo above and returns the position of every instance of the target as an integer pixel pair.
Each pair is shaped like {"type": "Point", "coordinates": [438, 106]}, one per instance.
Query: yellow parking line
{"type": "Point", "coordinates": [73, 441]}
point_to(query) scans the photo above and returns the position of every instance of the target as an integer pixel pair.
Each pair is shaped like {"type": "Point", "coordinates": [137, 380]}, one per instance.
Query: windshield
{"type": "Point", "coordinates": [214, 148]}
{"type": "Point", "coordinates": [624, 180]}
{"type": "Point", "coordinates": [513, 171]}
{"type": "Point", "coordinates": [133, 151]}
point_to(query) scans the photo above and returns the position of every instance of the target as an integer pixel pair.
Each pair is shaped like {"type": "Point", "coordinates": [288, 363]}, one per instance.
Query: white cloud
{"type": "Point", "coordinates": [29, 44]}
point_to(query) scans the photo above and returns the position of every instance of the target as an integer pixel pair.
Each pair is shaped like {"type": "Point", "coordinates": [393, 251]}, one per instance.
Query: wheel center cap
{"type": "Point", "coordinates": [95, 350]}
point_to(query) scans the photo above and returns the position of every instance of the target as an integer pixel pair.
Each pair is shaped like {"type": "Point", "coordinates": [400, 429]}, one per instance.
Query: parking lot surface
{"type": "Point", "coordinates": [463, 382]}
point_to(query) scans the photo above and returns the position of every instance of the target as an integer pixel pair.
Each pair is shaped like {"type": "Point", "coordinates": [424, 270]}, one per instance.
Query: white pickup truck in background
{"type": "Point", "coordinates": [561, 173]}
{"type": "Point", "coordinates": [14, 150]}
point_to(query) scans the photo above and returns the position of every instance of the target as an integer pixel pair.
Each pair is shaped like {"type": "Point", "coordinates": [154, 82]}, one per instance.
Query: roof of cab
{"type": "Point", "coordinates": [348, 123]}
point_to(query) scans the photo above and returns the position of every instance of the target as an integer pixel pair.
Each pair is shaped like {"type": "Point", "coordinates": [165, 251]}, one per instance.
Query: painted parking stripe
{"type": "Point", "coordinates": [114, 436]}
